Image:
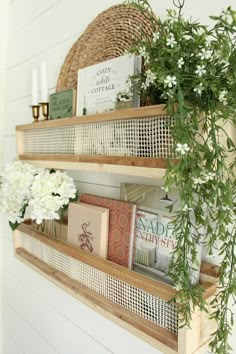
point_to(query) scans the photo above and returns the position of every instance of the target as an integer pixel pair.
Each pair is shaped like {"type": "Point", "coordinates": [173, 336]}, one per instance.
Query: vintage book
{"type": "Point", "coordinates": [154, 243]}
{"type": "Point", "coordinates": [62, 104]}
{"type": "Point", "coordinates": [99, 84]}
{"type": "Point", "coordinates": [122, 218]}
{"type": "Point", "coordinates": [88, 228]}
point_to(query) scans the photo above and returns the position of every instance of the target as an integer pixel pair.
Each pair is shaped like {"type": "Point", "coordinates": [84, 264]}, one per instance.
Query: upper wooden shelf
{"type": "Point", "coordinates": [141, 112]}
{"type": "Point", "coordinates": [133, 141]}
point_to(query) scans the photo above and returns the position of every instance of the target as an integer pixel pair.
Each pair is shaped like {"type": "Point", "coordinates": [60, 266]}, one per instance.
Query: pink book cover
{"type": "Point", "coordinates": [122, 217]}
{"type": "Point", "coordinates": [88, 228]}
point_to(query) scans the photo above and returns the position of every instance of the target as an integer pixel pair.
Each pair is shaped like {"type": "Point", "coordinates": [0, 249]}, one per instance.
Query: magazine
{"type": "Point", "coordinates": [154, 244]}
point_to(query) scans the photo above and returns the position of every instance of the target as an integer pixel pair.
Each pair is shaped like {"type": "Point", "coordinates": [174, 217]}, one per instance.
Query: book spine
{"type": "Point", "coordinates": [132, 238]}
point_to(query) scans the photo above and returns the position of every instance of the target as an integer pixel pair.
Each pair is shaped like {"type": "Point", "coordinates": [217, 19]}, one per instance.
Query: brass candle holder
{"type": "Point", "coordinates": [45, 109]}
{"type": "Point", "coordinates": [35, 112]}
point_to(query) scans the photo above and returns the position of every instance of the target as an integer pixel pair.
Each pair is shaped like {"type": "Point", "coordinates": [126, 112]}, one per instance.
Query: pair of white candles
{"type": "Point", "coordinates": [43, 82]}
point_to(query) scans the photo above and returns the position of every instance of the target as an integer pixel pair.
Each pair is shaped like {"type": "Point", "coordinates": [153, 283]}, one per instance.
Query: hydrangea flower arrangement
{"type": "Point", "coordinates": [47, 193]}
{"type": "Point", "coordinates": [192, 69]}
{"type": "Point", "coordinates": [15, 183]}
{"type": "Point", "coordinates": [51, 193]}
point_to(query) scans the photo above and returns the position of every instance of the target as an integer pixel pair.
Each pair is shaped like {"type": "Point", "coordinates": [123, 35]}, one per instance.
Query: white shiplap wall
{"type": "Point", "coordinates": [39, 318]}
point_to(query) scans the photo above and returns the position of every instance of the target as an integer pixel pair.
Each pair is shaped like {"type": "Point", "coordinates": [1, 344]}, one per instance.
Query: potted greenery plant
{"type": "Point", "coordinates": [193, 69]}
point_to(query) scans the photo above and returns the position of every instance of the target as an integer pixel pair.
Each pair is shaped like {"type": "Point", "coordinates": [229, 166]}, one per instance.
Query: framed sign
{"type": "Point", "coordinates": [99, 84]}
{"type": "Point", "coordinates": [62, 104]}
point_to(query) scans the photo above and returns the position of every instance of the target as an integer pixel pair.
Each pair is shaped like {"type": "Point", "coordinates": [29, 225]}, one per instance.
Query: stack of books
{"type": "Point", "coordinates": [137, 238]}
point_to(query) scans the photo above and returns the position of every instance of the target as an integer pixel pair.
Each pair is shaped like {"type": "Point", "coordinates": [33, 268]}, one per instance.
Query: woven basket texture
{"type": "Point", "coordinates": [108, 36]}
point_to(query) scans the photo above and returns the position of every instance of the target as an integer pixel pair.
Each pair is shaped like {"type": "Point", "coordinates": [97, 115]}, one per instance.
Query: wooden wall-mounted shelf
{"type": "Point", "coordinates": [130, 142]}
{"type": "Point", "coordinates": [137, 303]}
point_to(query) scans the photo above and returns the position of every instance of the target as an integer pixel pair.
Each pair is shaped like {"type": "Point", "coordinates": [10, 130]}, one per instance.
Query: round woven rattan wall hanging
{"type": "Point", "coordinates": [108, 36]}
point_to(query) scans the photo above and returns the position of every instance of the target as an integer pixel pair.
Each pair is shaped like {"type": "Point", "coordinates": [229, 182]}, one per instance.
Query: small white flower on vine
{"type": "Point", "coordinates": [200, 70]}
{"type": "Point", "coordinates": [199, 88]}
{"type": "Point", "coordinates": [225, 208]}
{"type": "Point", "coordinates": [205, 54]}
{"type": "Point", "coordinates": [150, 78]}
{"type": "Point", "coordinates": [170, 81]}
{"type": "Point", "coordinates": [178, 287]}
{"type": "Point", "coordinates": [198, 180]}
{"type": "Point", "coordinates": [224, 62]}
{"type": "Point", "coordinates": [170, 94]}
{"type": "Point", "coordinates": [144, 85]}
{"type": "Point", "coordinates": [182, 148]}
{"type": "Point", "coordinates": [199, 30]}
{"type": "Point", "coordinates": [171, 42]}
{"type": "Point", "coordinates": [187, 37]}
{"type": "Point", "coordinates": [210, 176]}
{"type": "Point", "coordinates": [166, 189]}
{"type": "Point", "coordinates": [226, 16]}
{"type": "Point", "coordinates": [142, 51]}
{"type": "Point", "coordinates": [180, 63]}
{"type": "Point", "coordinates": [186, 208]}
{"type": "Point", "coordinates": [204, 206]}
{"type": "Point", "coordinates": [147, 58]}
{"type": "Point", "coordinates": [222, 97]}
{"type": "Point", "coordinates": [208, 41]}
{"type": "Point", "coordinates": [156, 36]}
{"type": "Point", "coordinates": [172, 16]}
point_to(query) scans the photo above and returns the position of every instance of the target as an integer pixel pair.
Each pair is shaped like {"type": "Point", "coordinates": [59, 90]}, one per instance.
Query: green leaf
{"type": "Point", "coordinates": [13, 226]}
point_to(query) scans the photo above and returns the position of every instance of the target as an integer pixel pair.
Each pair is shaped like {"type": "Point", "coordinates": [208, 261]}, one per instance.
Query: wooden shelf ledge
{"type": "Point", "coordinates": [161, 338]}
{"type": "Point", "coordinates": [141, 112]}
{"type": "Point", "coordinates": [134, 166]}
{"type": "Point", "coordinates": [151, 333]}
{"type": "Point", "coordinates": [73, 157]}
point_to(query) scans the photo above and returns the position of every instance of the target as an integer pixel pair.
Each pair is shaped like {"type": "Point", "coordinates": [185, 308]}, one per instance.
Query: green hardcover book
{"type": "Point", "coordinates": [62, 104]}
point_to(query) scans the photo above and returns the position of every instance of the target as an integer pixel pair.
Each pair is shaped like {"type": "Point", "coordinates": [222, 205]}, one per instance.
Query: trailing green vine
{"type": "Point", "coordinates": [191, 68]}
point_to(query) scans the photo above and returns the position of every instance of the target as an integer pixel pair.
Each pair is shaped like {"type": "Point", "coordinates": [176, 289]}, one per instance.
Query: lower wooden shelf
{"type": "Point", "coordinates": [135, 302]}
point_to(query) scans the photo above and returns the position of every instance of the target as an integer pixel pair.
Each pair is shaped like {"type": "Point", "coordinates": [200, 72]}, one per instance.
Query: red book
{"type": "Point", "coordinates": [122, 217]}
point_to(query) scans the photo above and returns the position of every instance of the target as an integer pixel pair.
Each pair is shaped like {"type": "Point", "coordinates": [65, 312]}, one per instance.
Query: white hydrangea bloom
{"type": "Point", "coordinates": [16, 181]}
{"type": "Point", "coordinates": [50, 192]}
